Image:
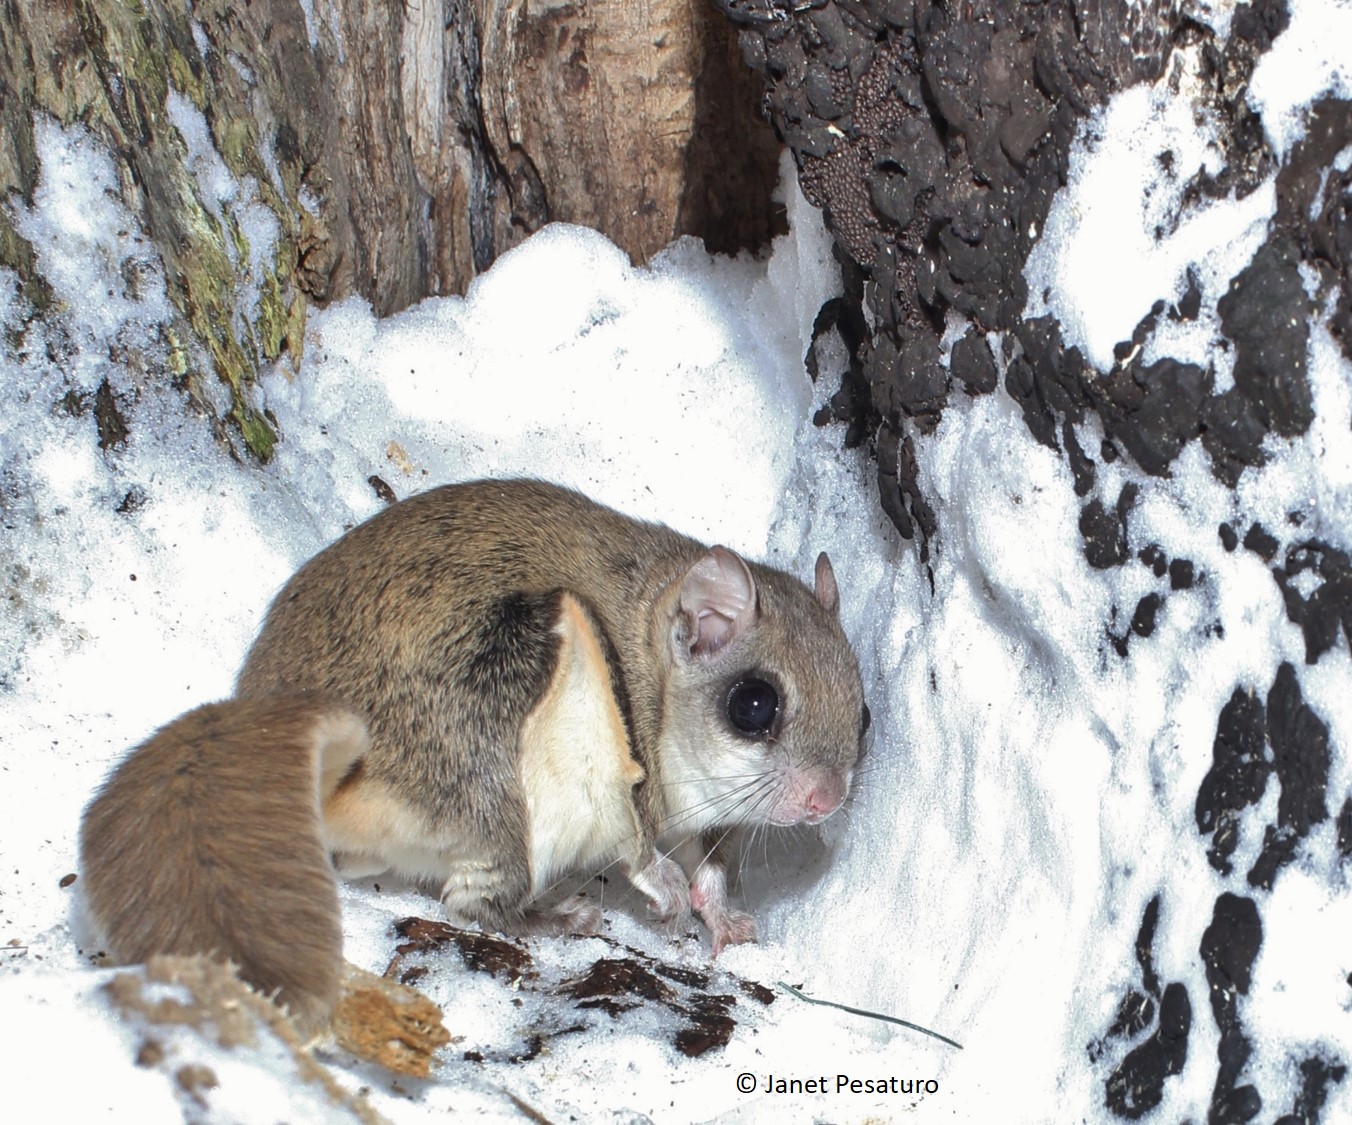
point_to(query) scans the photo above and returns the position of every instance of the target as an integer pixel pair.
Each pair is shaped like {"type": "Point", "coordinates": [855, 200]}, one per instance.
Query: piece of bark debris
{"type": "Point", "coordinates": [481, 952]}
{"type": "Point", "coordinates": [194, 1079]}
{"type": "Point", "coordinates": [620, 984]}
{"type": "Point", "coordinates": [381, 489]}
{"type": "Point", "coordinates": [757, 991]}
{"type": "Point", "coordinates": [704, 1035]}
{"type": "Point", "coordinates": [388, 1023]}
{"type": "Point", "coordinates": [617, 977]}
{"type": "Point", "coordinates": [209, 1000]}
{"type": "Point", "coordinates": [108, 419]}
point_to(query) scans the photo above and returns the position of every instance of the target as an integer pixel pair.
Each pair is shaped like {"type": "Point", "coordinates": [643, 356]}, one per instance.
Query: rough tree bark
{"type": "Point", "coordinates": [400, 147]}
{"type": "Point", "coordinates": [935, 136]}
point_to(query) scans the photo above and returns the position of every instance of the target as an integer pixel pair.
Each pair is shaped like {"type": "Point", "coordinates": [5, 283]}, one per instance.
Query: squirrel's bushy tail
{"type": "Point", "coordinates": [208, 838]}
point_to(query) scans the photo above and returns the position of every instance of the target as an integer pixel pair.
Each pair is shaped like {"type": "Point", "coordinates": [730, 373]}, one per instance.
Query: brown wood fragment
{"type": "Point", "coordinates": [388, 1023]}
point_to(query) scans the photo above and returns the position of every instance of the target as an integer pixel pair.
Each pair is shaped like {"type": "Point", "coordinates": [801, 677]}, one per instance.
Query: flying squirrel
{"type": "Point", "coordinates": [483, 688]}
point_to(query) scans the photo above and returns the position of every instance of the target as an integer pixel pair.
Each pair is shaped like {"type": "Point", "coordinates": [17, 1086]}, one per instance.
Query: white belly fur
{"type": "Point", "coordinates": [576, 767]}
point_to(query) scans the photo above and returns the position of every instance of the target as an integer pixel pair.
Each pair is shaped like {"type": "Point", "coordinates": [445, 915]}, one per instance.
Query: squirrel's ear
{"type": "Point", "coordinates": [717, 603]}
{"type": "Point", "coordinates": [828, 593]}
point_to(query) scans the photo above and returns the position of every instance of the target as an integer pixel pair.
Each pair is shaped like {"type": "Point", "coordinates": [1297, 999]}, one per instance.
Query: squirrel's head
{"type": "Point", "coordinates": [764, 708]}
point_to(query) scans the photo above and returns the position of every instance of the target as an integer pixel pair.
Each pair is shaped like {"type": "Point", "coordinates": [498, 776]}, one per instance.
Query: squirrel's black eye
{"type": "Point", "coordinates": [752, 706]}
{"type": "Point", "coordinates": [865, 722]}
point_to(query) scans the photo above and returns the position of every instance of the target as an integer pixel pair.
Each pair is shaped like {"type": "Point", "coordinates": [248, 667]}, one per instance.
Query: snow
{"type": "Point", "coordinates": [1121, 237]}
{"type": "Point", "coordinates": [1027, 791]}
{"type": "Point", "coordinates": [1307, 61]}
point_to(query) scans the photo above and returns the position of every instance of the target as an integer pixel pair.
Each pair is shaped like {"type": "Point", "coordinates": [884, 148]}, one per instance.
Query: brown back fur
{"type": "Point", "coordinates": [433, 621]}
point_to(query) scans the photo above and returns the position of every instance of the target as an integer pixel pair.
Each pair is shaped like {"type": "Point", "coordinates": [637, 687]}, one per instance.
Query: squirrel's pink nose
{"type": "Point", "coordinates": [822, 800]}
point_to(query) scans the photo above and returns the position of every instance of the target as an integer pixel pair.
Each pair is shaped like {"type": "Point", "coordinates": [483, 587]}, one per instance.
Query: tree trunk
{"type": "Point", "coordinates": [935, 137]}
{"type": "Point", "coordinates": [400, 148]}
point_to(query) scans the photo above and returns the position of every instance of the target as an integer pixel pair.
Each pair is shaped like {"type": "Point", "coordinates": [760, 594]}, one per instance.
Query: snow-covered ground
{"type": "Point", "coordinates": [1029, 790]}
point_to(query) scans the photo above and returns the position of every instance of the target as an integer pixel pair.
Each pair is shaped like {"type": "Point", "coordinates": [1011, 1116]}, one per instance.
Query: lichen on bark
{"type": "Point", "coordinates": [399, 148]}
